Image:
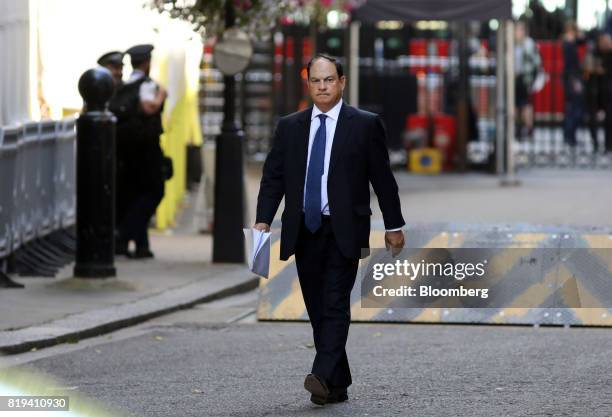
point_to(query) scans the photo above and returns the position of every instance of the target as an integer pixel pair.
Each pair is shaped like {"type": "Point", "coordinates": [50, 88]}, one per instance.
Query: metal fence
{"type": "Point", "coordinates": [547, 149]}
{"type": "Point", "coordinates": [37, 194]}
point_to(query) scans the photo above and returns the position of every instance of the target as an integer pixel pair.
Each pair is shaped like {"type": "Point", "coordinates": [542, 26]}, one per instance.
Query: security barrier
{"type": "Point", "coordinates": [8, 158]}
{"type": "Point", "coordinates": [65, 196]}
{"type": "Point", "coordinates": [281, 298]}
{"type": "Point", "coordinates": [37, 196]}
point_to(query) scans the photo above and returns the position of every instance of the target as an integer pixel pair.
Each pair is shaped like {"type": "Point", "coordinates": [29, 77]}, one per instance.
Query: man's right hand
{"type": "Point", "coordinates": [262, 227]}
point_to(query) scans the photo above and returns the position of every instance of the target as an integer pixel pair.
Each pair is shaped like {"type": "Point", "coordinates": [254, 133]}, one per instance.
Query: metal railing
{"type": "Point", "coordinates": [37, 195]}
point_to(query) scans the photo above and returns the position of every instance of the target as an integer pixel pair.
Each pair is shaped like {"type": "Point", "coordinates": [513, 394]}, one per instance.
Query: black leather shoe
{"type": "Point", "coordinates": [318, 388]}
{"type": "Point", "coordinates": [142, 254]}
{"type": "Point", "coordinates": [337, 395]}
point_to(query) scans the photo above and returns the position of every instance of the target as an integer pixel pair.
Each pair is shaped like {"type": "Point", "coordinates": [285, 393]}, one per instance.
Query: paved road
{"type": "Point", "coordinates": [550, 197]}
{"type": "Point", "coordinates": [545, 196]}
{"type": "Point", "coordinates": [215, 360]}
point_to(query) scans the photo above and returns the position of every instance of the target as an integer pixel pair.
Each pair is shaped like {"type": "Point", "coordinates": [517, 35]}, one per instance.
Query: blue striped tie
{"type": "Point", "coordinates": [316, 166]}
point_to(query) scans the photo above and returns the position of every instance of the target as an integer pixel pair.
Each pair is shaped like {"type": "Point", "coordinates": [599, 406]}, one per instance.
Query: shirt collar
{"type": "Point", "coordinates": [136, 75]}
{"type": "Point", "coordinates": [332, 114]}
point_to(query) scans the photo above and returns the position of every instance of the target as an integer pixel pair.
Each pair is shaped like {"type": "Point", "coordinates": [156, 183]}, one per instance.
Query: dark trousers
{"type": "Point", "coordinates": [327, 278]}
{"type": "Point", "coordinates": [574, 113]}
{"type": "Point", "coordinates": [135, 223]}
{"type": "Point", "coordinates": [608, 126]}
{"type": "Point", "coordinates": [122, 190]}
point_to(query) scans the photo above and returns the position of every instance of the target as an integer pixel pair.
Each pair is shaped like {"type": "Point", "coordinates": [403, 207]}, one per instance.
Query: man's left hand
{"type": "Point", "coordinates": [394, 241]}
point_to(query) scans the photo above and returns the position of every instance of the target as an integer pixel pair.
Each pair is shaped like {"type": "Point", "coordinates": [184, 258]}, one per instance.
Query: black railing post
{"type": "Point", "coordinates": [228, 240]}
{"type": "Point", "coordinates": [95, 190]}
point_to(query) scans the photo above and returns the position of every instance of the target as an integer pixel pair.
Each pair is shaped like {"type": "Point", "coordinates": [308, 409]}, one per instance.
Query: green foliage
{"type": "Point", "coordinates": [256, 17]}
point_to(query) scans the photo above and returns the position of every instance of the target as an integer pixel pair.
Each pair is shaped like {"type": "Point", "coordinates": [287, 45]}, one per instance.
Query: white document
{"type": "Point", "coordinates": [258, 248]}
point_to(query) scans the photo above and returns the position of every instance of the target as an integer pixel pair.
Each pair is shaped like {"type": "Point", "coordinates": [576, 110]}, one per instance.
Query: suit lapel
{"type": "Point", "coordinates": [340, 135]}
{"type": "Point", "coordinates": [303, 134]}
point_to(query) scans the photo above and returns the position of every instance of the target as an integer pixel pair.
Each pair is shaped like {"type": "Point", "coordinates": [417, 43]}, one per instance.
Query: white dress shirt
{"type": "Point", "coordinates": [330, 129]}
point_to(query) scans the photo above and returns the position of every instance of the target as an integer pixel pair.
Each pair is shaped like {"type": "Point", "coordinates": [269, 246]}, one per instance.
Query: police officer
{"type": "Point", "coordinates": [113, 61]}
{"type": "Point", "coordinates": [139, 103]}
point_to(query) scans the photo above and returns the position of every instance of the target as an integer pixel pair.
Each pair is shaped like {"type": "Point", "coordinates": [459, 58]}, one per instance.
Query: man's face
{"type": "Point", "coordinates": [146, 66]}
{"type": "Point", "coordinates": [606, 42]}
{"type": "Point", "coordinates": [116, 71]}
{"type": "Point", "coordinates": [520, 32]}
{"type": "Point", "coordinates": [324, 85]}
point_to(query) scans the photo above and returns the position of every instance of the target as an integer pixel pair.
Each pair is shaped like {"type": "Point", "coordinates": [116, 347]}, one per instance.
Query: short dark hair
{"type": "Point", "coordinates": [136, 63]}
{"type": "Point", "coordinates": [331, 59]}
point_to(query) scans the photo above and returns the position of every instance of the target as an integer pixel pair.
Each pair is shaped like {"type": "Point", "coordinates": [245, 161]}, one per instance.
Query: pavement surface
{"type": "Point", "coordinates": [544, 197]}
{"type": "Point", "coordinates": [65, 308]}
{"type": "Point", "coordinates": [200, 363]}
{"type": "Point", "coordinates": [211, 358]}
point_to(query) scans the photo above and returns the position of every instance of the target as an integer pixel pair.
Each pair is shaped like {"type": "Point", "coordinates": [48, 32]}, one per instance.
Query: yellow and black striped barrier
{"type": "Point", "coordinates": [281, 298]}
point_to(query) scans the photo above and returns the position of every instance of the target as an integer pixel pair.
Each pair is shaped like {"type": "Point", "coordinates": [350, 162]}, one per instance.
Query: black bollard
{"type": "Point", "coordinates": [95, 193]}
{"type": "Point", "coordinates": [228, 238]}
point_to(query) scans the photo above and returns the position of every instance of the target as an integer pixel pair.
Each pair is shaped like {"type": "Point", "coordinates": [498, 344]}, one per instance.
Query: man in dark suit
{"type": "Point", "coordinates": [322, 161]}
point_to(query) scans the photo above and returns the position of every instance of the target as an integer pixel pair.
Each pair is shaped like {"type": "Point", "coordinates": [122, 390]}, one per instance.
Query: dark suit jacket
{"type": "Point", "coordinates": [359, 156]}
